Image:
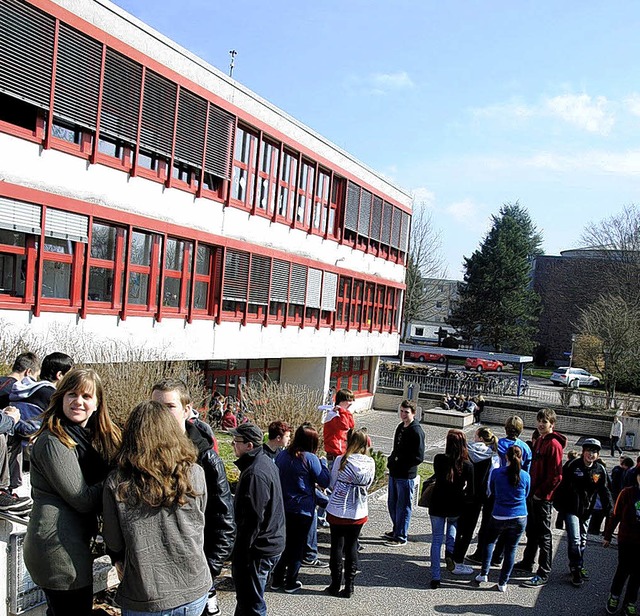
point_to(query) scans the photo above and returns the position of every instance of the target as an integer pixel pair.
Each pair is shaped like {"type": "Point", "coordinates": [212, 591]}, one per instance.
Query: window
{"type": "Point", "coordinates": [204, 267]}
{"type": "Point", "coordinates": [56, 269]}
{"type": "Point", "coordinates": [13, 262]}
{"type": "Point", "coordinates": [321, 202]}
{"type": "Point", "coordinates": [288, 174]}
{"type": "Point", "coordinates": [356, 304]}
{"type": "Point", "coordinates": [236, 280]}
{"type": "Point", "coordinates": [244, 167]}
{"type": "Point", "coordinates": [344, 301]}
{"type": "Point", "coordinates": [305, 195]}
{"type": "Point", "coordinates": [351, 373]}
{"type": "Point", "coordinates": [267, 178]}
{"type": "Point", "coordinates": [18, 113]}
{"type": "Point", "coordinates": [144, 265]}
{"type": "Point", "coordinates": [229, 376]}
{"type": "Point", "coordinates": [177, 274]}
{"type": "Point", "coordinates": [106, 264]}
{"type": "Point", "coordinates": [419, 331]}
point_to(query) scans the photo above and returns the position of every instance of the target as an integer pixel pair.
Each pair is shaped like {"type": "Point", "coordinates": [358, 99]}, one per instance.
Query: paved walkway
{"type": "Point", "coordinates": [395, 581]}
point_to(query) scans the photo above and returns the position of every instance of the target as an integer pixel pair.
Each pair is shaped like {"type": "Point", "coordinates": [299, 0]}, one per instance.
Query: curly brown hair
{"type": "Point", "coordinates": [154, 464]}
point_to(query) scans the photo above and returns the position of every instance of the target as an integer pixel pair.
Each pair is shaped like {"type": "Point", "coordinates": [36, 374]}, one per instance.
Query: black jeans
{"type": "Point", "coordinates": [539, 536]}
{"type": "Point", "coordinates": [614, 445]}
{"type": "Point", "coordinates": [344, 543]}
{"type": "Point", "coordinates": [64, 602]}
{"type": "Point", "coordinates": [627, 568]}
{"type": "Point", "coordinates": [464, 531]}
{"type": "Point", "coordinates": [296, 541]}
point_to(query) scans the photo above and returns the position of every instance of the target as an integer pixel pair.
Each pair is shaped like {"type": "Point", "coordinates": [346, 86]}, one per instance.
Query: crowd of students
{"type": "Point", "coordinates": [169, 519]}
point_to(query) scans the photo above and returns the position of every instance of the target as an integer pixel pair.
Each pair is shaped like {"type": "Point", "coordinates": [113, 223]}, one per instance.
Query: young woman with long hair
{"type": "Point", "coordinates": [347, 511]}
{"type": "Point", "coordinates": [453, 487]}
{"type": "Point", "coordinates": [300, 470]}
{"type": "Point", "coordinates": [154, 506]}
{"type": "Point", "coordinates": [509, 487]}
{"type": "Point", "coordinates": [70, 460]}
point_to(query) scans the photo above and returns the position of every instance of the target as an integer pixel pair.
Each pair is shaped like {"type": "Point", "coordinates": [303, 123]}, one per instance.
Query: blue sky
{"type": "Point", "coordinates": [466, 104]}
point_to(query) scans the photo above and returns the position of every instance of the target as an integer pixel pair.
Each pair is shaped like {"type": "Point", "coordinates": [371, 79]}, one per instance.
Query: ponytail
{"type": "Point", "coordinates": [514, 458]}
{"type": "Point", "coordinates": [488, 438]}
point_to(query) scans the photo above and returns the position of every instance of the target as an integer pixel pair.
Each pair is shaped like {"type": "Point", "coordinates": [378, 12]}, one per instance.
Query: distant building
{"type": "Point", "coordinates": [441, 295]}
{"type": "Point", "coordinates": [565, 284]}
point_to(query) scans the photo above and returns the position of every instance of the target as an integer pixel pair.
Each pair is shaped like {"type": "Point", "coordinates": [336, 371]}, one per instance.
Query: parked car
{"type": "Point", "coordinates": [420, 356]}
{"type": "Point", "coordinates": [573, 377]}
{"type": "Point", "coordinates": [479, 365]}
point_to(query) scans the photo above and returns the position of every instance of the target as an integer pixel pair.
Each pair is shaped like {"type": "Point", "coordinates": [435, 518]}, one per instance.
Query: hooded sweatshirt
{"type": "Point", "coordinates": [484, 460]}
{"type": "Point", "coordinates": [349, 496]}
{"type": "Point", "coordinates": [31, 398]}
{"type": "Point", "coordinates": [546, 465]}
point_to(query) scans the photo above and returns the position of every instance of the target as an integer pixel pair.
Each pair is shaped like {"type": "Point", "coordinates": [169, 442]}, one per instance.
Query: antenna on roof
{"type": "Point", "coordinates": [233, 53]}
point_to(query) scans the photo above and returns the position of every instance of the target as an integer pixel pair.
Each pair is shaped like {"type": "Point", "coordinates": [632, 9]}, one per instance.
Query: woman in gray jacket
{"type": "Point", "coordinates": [154, 506]}
{"type": "Point", "coordinates": [69, 462]}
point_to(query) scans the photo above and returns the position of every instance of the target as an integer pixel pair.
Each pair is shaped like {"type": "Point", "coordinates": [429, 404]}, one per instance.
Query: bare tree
{"type": "Point", "coordinates": [616, 239]}
{"type": "Point", "coordinates": [425, 261]}
{"type": "Point", "coordinates": [610, 341]}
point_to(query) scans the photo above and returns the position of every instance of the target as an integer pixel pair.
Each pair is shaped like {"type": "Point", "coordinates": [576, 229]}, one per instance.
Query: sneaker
{"type": "Point", "coordinates": [523, 566]}
{"type": "Point", "coordinates": [451, 565]}
{"type": "Point", "coordinates": [481, 579]}
{"type": "Point", "coordinates": [316, 563]}
{"type": "Point", "coordinates": [536, 581]}
{"type": "Point", "coordinates": [295, 588]}
{"type": "Point", "coordinates": [389, 535]}
{"type": "Point", "coordinates": [496, 562]}
{"type": "Point", "coordinates": [212, 608]}
{"type": "Point", "coordinates": [629, 609]}
{"type": "Point", "coordinates": [434, 584]}
{"type": "Point", "coordinates": [462, 569]}
{"type": "Point", "coordinates": [475, 558]}
{"type": "Point", "coordinates": [277, 585]}
{"type": "Point", "coordinates": [576, 578]}
{"type": "Point", "coordinates": [13, 503]}
{"type": "Point", "coordinates": [394, 543]}
{"type": "Point", "coordinates": [502, 587]}
{"type": "Point", "coordinates": [613, 603]}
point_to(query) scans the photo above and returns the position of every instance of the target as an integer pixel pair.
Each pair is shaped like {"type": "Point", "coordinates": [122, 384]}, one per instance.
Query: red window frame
{"type": "Point", "coordinates": [73, 260]}
{"type": "Point", "coordinates": [304, 194]}
{"type": "Point", "coordinates": [116, 265]}
{"type": "Point", "coordinates": [180, 273]}
{"type": "Point", "coordinates": [352, 373]}
{"type": "Point", "coordinates": [29, 253]}
{"type": "Point", "coordinates": [150, 269]}
{"type": "Point", "coordinates": [320, 211]}
{"type": "Point", "coordinates": [343, 302]}
{"type": "Point", "coordinates": [286, 201]}
{"type": "Point", "coordinates": [245, 154]}
{"type": "Point", "coordinates": [267, 175]}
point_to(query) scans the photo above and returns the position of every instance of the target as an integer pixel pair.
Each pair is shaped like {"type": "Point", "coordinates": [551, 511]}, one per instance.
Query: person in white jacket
{"type": "Point", "coordinates": [615, 435]}
{"type": "Point", "coordinates": [347, 511]}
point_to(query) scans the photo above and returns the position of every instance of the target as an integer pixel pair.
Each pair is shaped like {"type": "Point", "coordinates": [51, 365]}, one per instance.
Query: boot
{"type": "Point", "coordinates": [348, 589]}
{"type": "Point", "coordinates": [336, 577]}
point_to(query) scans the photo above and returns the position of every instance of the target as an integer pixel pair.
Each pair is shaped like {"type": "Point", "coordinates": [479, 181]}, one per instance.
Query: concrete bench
{"type": "Point", "coordinates": [443, 417]}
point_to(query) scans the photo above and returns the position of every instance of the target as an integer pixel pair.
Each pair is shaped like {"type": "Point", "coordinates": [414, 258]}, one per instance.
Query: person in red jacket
{"type": "Point", "coordinates": [627, 514]}
{"type": "Point", "coordinates": [546, 474]}
{"type": "Point", "coordinates": [337, 424]}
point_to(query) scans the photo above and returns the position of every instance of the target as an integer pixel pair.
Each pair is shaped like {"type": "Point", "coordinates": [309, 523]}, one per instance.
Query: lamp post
{"type": "Point", "coordinates": [573, 341]}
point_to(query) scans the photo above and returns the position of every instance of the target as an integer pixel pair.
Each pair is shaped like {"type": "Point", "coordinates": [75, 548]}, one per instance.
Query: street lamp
{"type": "Point", "coordinates": [573, 341]}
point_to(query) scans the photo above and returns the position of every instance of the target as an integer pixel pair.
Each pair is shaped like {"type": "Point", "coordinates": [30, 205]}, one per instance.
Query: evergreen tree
{"type": "Point", "coordinates": [497, 305]}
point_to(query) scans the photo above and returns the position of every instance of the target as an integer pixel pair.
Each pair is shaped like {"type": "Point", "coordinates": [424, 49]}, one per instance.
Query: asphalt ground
{"type": "Point", "coordinates": [395, 580]}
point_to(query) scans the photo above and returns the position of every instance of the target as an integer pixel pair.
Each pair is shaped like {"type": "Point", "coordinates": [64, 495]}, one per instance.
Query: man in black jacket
{"type": "Point", "coordinates": [407, 453]}
{"type": "Point", "coordinates": [219, 525]}
{"type": "Point", "coordinates": [259, 518]}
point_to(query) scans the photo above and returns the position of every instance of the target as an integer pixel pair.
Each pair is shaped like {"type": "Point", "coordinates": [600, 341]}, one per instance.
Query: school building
{"type": "Point", "coordinates": [147, 199]}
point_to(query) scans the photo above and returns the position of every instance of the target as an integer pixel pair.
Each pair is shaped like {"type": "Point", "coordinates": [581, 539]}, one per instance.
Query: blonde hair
{"type": "Point", "coordinates": [105, 435]}
{"type": "Point", "coordinates": [488, 438]}
{"type": "Point", "coordinates": [357, 442]}
{"type": "Point", "coordinates": [154, 465]}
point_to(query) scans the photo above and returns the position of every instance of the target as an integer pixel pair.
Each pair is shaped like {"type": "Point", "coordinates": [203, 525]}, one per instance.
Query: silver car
{"type": "Point", "coordinates": [574, 377]}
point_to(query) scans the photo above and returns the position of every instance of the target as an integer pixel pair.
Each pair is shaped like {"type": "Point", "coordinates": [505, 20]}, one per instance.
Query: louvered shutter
{"type": "Point", "coordinates": [353, 207]}
{"type": "Point", "coordinates": [120, 97]}
{"type": "Point", "coordinates": [236, 274]}
{"type": "Point", "coordinates": [220, 136]}
{"type": "Point", "coordinates": [387, 215]}
{"type": "Point", "coordinates": [376, 218]}
{"type": "Point", "coordinates": [26, 52]}
{"type": "Point", "coordinates": [20, 216]}
{"type": "Point", "coordinates": [314, 288]}
{"type": "Point", "coordinates": [66, 226]}
{"type": "Point", "coordinates": [297, 290]}
{"type": "Point", "coordinates": [364, 220]}
{"type": "Point", "coordinates": [280, 280]}
{"type": "Point", "coordinates": [404, 233]}
{"type": "Point", "coordinates": [259, 281]}
{"type": "Point", "coordinates": [395, 228]}
{"type": "Point", "coordinates": [329, 288]}
{"type": "Point", "coordinates": [158, 112]}
{"type": "Point", "coordinates": [192, 117]}
{"type": "Point", "coordinates": [77, 77]}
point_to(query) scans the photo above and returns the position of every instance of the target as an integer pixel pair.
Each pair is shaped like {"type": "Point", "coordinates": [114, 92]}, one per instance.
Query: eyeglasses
{"type": "Point", "coordinates": [237, 442]}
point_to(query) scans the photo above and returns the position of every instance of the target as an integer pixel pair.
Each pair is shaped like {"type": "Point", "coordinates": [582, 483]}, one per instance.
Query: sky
{"type": "Point", "coordinates": [467, 104]}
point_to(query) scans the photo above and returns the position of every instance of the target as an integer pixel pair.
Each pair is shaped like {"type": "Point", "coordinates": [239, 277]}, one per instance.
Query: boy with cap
{"type": "Point", "coordinates": [583, 479]}
{"type": "Point", "coordinates": [259, 513]}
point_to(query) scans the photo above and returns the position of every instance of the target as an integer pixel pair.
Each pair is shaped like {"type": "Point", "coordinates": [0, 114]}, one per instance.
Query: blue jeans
{"type": "Point", "coordinates": [399, 502]}
{"type": "Point", "coordinates": [576, 539]}
{"type": "Point", "coordinates": [250, 578]}
{"type": "Point", "coordinates": [510, 531]}
{"type": "Point", "coordinates": [311, 550]}
{"type": "Point", "coordinates": [195, 608]}
{"type": "Point", "coordinates": [438, 525]}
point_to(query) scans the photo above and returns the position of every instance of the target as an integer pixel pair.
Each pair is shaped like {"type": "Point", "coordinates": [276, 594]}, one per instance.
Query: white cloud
{"type": "Point", "coordinates": [465, 211]}
{"type": "Point", "coordinates": [626, 164]}
{"type": "Point", "coordinates": [422, 195]}
{"type": "Point", "coordinates": [380, 83]}
{"type": "Point", "coordinates": [632, 102]}
{"type": "Point", "coordinates": [593, 115]}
